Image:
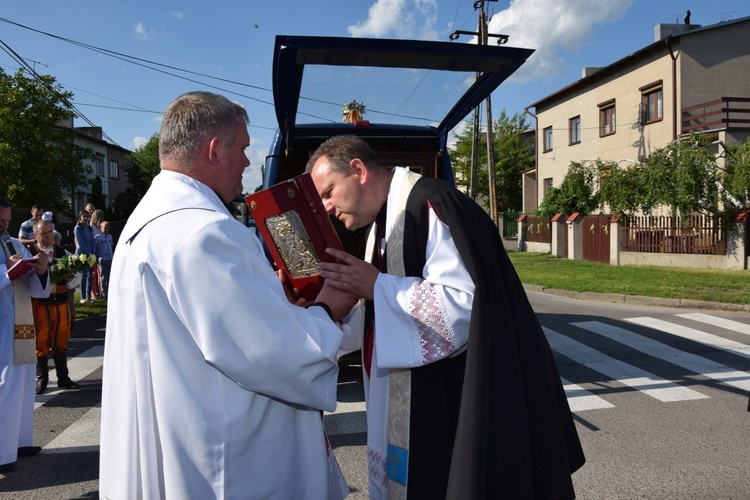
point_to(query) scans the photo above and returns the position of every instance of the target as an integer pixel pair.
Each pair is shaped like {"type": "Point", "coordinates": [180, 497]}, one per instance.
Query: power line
{"type": "Point", "coordinates": [20, 60]}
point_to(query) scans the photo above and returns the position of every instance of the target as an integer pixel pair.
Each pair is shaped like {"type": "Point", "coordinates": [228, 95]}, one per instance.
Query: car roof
{"type": "Point", "coordinates": [416, 86]}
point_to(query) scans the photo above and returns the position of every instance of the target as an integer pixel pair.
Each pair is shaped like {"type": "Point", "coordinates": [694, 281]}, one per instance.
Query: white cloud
{"type": "Point", "coordinates": [140, 31]}
{"type": "Point", "coordinates": [553, 27]}
{"type": "Point", "coordinates": [399, 19]}
{"type": "Point", "coordinates": [177, 14]}
{"type": "Point", "coordinates": [139, 142]}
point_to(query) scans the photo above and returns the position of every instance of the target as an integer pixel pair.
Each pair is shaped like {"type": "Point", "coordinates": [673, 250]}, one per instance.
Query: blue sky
{"type": "Point", "coordinates": [233, 41]}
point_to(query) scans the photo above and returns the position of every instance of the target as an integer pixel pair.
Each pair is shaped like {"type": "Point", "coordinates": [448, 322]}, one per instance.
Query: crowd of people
{"type": "Point", "coordinates": [216, 375]}
{"type": "Point", "coordinates": [38, 321]}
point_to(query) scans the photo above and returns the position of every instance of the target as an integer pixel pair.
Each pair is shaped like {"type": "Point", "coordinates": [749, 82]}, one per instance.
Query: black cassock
{"type": "Point", "coordinates": [494, 421]}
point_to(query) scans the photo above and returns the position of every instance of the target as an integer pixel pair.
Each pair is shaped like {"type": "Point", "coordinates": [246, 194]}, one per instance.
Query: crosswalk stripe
{"type": "Point", "coordinates": [689, 361]}
{"type": "Point", "coordinates": [695, 335]}
{"type": "Point", "coordinates": [79, 367]}
{"type": "Point", "coordinates": [629, 375]}
{"type": "Point", "coordinates": [727, 324]}
{"type": "Point", "coordinates": [579, 399]}
{"type": "Point", "coordinates": [82, 435]}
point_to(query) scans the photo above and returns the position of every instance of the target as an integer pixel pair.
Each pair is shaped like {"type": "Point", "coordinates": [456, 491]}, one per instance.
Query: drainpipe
{"type": "Point", "coordinates": [674, 57]}
{"type": "Point", "coordinates": [536, 156]}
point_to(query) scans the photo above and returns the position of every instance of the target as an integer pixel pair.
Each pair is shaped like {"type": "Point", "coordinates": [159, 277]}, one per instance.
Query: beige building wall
{"type": "Point", "coordinates": [631, 141]}
{"type": "Point", "coordinates": [709, 63]}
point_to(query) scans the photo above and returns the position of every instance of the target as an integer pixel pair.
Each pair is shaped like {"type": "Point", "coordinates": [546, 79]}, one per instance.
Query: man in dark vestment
{"type": "Point", "coordinates": [464, 399]}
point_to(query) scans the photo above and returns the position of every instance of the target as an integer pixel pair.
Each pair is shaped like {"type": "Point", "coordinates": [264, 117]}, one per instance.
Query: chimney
{"type": "Point", "coordinates": [662, 31]}
{"type": "Point", "coordinates": [589, 70]}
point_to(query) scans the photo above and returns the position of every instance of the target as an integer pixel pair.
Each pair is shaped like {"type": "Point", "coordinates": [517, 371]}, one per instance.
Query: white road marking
{"type": "Point", "coordinates": [629, 375]}
{"type": "Point", "coordinates": [689, 361]}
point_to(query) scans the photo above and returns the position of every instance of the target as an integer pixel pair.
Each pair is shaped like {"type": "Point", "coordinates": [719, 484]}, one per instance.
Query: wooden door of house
{"type": "Point", "coordinates": [596, 238]}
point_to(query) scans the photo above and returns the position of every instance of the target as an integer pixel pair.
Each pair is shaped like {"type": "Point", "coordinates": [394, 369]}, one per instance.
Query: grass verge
{"type": "Point", "coordinates": [94, 308]}
{"type": "Point", "coordinates": [713, 285]}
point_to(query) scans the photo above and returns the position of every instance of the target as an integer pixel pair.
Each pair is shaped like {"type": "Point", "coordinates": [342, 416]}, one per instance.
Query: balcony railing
{"type": "Point", "coordinates": [721, 114]}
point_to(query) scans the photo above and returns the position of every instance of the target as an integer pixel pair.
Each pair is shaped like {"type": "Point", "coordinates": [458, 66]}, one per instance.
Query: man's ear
{"type": "Point", "coordinates": [359, 169]}
{"type": "Point", "coordinates": [214, 150]}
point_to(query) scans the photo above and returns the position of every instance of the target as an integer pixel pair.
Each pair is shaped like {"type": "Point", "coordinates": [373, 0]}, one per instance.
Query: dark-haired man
{"type": "Point", "coordinates": [26, 231]}
{"type": "Point", "coordinates": [463, 395]}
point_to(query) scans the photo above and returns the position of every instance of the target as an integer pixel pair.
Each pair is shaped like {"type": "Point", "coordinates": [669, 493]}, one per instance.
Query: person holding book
{"type": "Point", "coordinates": [213, 382]}
{"type": "Point", "coordinates": [463, 395]}
{"type": "Point", "coordinates": [17, 346]}
{"type": "Point", "coordinates": [52, 315]}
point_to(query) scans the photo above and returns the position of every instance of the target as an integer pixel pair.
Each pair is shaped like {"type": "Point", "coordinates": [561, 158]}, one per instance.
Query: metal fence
{"type": "Point", "coordinates": [694, 234]}
{"type": "Point", "coordinates": [510, 224]}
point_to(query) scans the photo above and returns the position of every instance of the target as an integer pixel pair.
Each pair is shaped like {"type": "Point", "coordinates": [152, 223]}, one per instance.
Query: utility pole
{"type": "Point", "coordinates": [474, 154]}
{"type": "Point", "coordinates": [490, 136]}
{"type": "Point", "coordinates": [482, 38]}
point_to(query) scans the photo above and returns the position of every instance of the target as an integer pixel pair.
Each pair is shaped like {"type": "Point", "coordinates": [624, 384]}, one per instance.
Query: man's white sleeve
{"type": "Point", "coordinates": [420, 321]}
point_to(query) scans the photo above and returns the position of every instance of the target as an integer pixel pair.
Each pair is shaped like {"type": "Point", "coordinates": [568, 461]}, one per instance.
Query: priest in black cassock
{"type": "Point", "coordinates": [464, 399]}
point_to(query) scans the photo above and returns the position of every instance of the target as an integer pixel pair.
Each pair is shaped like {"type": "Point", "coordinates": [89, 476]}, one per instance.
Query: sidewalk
{"type": "Point", "coordinates": [639, 300]}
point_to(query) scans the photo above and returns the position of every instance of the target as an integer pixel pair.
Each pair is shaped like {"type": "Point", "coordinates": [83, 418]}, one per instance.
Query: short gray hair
{"type": "Point", "coordinates": [38, 225]}
{"type": "Point", "coordinates": [194, 117]}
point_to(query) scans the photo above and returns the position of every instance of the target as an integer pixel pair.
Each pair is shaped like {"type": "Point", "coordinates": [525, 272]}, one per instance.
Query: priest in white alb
{"type": "Point", "coordinates": [214, 383]}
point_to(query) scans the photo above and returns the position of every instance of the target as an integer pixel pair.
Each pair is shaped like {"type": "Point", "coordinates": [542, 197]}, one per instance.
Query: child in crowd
{"type": "Point", "coordinates": [104, 252]}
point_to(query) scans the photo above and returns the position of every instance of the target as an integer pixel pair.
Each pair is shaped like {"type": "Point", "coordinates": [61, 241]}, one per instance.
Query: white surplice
{"type": "Point", "coordinates": [417, 320]}
{"type": "Point", "coordinates": [16, 380]}
{"type": "Point", "coordinates": [213, 382]}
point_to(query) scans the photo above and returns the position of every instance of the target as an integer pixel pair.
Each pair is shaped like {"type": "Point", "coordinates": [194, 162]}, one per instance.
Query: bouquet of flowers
{"type": "Point", "coordinates": [64, 268]}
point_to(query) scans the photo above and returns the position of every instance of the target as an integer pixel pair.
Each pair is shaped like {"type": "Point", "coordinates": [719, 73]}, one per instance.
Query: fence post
{"type": "Point", "coordinates": [500, 224]}
{"type": "Point", "coordinates": [616, 239]}
{"type": "Point", "coordinates": [575, 236]}
{"type": "Point", "coordinates": [522, 222]}
{"type": "Point", "coordinates": [559, 234]}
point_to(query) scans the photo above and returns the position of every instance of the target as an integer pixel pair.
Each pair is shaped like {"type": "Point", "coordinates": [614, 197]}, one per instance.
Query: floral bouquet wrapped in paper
{"type": "Point", "coordinates": [64, 268]}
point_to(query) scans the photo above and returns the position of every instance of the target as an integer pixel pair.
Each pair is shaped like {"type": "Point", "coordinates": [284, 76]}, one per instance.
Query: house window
{"type": "Point", "coordinates": [652, 104]}
{"type": "Point", "coordinates": [547, 139]}
{"type": "Point", "coordinates": [99, 167]}
{"type": "Point", "coordinates": [607, 118]}
{"type": "Point", "coordinates": [114, 169]}
{"type": "Point", "coordinates": [547, 185]}
{"type": "Point", "coordinates": [574, 125]}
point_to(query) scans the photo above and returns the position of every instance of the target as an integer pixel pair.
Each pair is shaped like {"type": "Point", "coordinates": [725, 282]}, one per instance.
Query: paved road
{"type": "Point", "coordinates": [659, 395]}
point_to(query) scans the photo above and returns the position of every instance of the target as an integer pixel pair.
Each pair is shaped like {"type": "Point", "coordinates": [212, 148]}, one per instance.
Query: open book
{"type": "Point", "coordinates": [20, 268]}
{"type": "Point", "coordinates": [296, 229]}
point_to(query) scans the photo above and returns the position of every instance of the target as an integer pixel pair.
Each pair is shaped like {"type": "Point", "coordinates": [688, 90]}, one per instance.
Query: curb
{"type": "Point", "coordinates": [639, 299]}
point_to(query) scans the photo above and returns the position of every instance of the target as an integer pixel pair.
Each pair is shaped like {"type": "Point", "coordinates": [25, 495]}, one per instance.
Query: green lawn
{"type": "Point", "coordinates": [713, 285]}
{"type": "Point", "coordinates": [651, 281]}
{"type": "Point", "coordinates": [90, 308]}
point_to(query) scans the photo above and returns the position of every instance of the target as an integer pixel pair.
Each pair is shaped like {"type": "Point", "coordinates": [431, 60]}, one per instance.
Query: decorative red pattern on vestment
{"type": "Point", "coordinates": [376, 467]}
{"type": "Point", "coordinates": [22, 332]}
{"type": "Point", "coordinates": [435, 331]}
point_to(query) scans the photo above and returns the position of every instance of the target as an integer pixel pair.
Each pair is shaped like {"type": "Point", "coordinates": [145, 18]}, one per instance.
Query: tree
{"type": "Point", "coordinates": [620, 189]}
{"type": "Point", "coordinates": [97, 192]}
{"type": "Point", "coordinates": [514, 153]}
{"type": "Point", "coordinates": [736, 178]}
{"type": "Point", "coordinates": [461, 158]}
{"type": "Point", "coordinates": [682, 176]}
{"type": "Point", "coordinates": [39, 163]}
{"type": "Point", "coordinates": [577, 193]}
{"type": "Point", "coordinates": [144, 166]}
